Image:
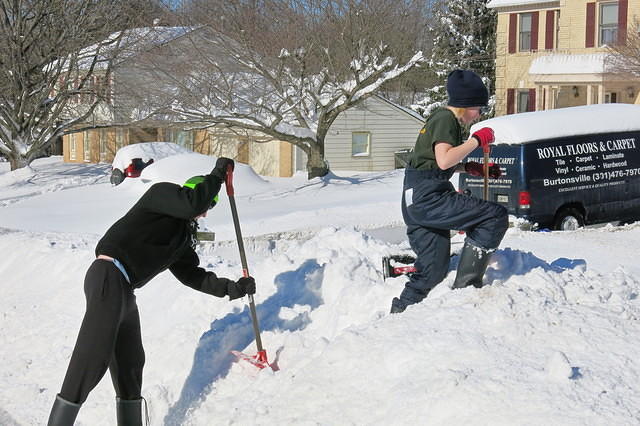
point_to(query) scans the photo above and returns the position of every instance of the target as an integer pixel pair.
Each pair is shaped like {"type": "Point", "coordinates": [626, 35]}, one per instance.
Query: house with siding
{"type": "Point", "coordinates": [363, 138]}
{"type": "Point", "coordinates": [268, 157]}
{"type": "Point", "coordinates": [368, 136]}
{"type": "Point", "coordinates": [553, 53]}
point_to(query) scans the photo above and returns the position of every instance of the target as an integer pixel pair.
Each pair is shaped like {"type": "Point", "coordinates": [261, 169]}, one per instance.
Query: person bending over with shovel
{"type": "Point", "coordinates": [158, 233]}
{"type": "Point", "coordinates": [430, 205]}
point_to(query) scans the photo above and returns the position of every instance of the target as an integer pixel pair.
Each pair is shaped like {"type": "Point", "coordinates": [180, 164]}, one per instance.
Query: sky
{"type": "Point", "coordinates": [548, 340]}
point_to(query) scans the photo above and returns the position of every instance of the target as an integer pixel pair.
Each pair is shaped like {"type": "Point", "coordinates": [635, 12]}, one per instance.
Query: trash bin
{"type": "Point", "coordinates": [401, 158]}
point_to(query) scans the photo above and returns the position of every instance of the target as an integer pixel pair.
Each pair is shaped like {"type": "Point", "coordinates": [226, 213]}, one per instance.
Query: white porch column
{"type": "Point", "coordinates": [600, 93]}
{"type": "Point", "coordinates": [589, 94]}
{"type": "Point", "coordinates": [539, 97]}
{"type": "Point", "coordinates": [548, 96]}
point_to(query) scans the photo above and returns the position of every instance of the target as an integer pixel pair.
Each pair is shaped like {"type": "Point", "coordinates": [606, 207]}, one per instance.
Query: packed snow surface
{"type": "Point", "coordinates": [551, 339]}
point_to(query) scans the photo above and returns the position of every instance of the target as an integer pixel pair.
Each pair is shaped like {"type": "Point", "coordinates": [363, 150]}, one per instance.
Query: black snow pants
{"type": "Point", "coordinates": [109, 337]}
{"type": "Point", "coordinates": [431, 207]}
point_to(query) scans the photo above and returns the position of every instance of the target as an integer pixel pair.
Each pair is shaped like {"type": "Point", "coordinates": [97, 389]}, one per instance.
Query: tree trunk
{"type": "Point", "coordinates": [316, 166]}
{"type": "Point", "coordinates": [16, 161]}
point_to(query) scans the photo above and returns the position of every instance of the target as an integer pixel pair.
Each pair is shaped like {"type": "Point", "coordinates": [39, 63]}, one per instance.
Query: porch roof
{"type": "Point", "coordinates": [566, 68]}
{"type": "Point", "coordinates": [509, 3]}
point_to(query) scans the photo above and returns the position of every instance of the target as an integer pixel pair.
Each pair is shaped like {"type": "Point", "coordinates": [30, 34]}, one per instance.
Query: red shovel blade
{"type": "Point", "coordinates": [259, 360]}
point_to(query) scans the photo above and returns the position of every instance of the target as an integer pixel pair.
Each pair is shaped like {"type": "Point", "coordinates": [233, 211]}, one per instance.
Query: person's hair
{"type": "Point", "coordinates": [457, 111]}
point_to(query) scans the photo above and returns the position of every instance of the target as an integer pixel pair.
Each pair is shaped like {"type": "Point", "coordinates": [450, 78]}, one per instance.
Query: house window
{"type": "Point", "coordinates": [360, 144]}
{"type": "Point", "coordinates": [525, 31]}
{"type": "Point", "coordinates": [184, 138]}
{"type": "Point", "coordinates": [610, 98]}
{"type": "Point", "coordinates": [608, 24]}
{"type": "Point", "coordinates": [523, 101]}
{"type": "Point", "coordinates": [72, 146]}
{"type": "Point", "coordinates": [119, 139]}
{"type": "Point", "coordinates": [86, 146]}
{"type": "Point", "coordinates": [103, 144]}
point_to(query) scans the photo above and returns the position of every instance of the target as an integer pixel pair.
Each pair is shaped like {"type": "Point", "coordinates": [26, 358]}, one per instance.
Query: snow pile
{"type": "Point", "coordinates": [179, 168]}
{"type": "Point", "coordinates": [548, 340]}
{"type": "Point", "coordinates": [146, 151]}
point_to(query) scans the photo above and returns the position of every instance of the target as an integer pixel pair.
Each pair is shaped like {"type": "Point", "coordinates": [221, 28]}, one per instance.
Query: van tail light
{"type": "Point", "coordinates": [524, 200]}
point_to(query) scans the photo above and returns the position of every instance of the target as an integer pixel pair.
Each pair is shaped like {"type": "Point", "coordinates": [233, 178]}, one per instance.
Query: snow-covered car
{"type": "Point", "coordinates": [130, 160]}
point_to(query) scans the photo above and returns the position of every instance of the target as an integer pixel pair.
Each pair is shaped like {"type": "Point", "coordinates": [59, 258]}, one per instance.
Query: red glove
{"type": "Point", "coordinates": [476, 169]}
{"type": "Point", "coordinates": [484, 137]}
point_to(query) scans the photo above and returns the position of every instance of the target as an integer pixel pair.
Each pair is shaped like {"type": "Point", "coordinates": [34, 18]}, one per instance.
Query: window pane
{"type": "Point", "coordinates": [525, 22]}
{"type": "Point", "coordinates": [609, 14]}
{"type": "Point", "coordinates": [608, 36]}
{"type": "Point", "coordinates": [86, 146]}
{"type": "Point", "coordinates": [523, 101]}
{"type": "Point", "coordinates": [360, 144]}
{"type": "Point", "coordinates": [525, 31]}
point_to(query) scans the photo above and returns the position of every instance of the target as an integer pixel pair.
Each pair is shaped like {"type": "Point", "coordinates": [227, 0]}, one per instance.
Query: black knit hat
{"type": "Point", "coordinates": [466, 89]}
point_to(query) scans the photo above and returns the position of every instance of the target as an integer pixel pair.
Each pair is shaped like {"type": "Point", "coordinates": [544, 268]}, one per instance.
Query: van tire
{"type": "Point", "coordinates": [569, 219]}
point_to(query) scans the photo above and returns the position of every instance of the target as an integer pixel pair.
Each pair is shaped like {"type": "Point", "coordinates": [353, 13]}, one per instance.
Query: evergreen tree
{"type": "Point", "coordinates": [464, 37]}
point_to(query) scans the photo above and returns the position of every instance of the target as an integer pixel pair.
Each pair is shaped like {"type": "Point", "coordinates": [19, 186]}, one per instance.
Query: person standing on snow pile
{"type": "Point", "coordinates": [158, 233]}
{"type": "Point", "coordinates": [431, 207]}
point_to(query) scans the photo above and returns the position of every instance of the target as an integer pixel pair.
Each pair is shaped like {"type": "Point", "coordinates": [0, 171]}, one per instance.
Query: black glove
{"type": "Point", "coordinates": [242, 287]}
{"type": "Point", "coordinates": [222, 164]}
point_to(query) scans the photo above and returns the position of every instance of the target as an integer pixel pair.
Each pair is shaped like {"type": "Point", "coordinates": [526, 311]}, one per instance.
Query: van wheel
{"type": "Point", "coordinates": [569, 219]}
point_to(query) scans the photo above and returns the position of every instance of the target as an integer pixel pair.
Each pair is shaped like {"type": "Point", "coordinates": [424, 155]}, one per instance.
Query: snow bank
{"type": "Point", "coordinates": [146, 151]}
{"type": "Point", "coordinates": [179, 168]}
{"type": "Point", "coordinates": [548, 340]}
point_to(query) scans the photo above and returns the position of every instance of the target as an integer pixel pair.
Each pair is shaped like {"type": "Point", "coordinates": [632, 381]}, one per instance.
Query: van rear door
{"type": "Point", "coordinates": [505, 190]}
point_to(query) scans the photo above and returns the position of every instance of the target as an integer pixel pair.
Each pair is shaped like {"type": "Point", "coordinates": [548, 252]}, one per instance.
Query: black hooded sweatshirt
{"type": "Point", "coordinates": [157, 234]}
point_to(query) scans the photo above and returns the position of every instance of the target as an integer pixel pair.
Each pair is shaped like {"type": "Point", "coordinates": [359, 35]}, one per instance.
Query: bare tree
{"type": "Point", "coordinates": [51, 55]}
{"type": "Point", "coordinates": [624, 57]}
{"type": "Point", "coordinates": [287, 68]}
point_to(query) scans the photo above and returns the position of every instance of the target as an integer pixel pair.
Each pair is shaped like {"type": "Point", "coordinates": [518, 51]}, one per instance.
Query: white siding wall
{"type": "Point", "coordinates": [391, 130]}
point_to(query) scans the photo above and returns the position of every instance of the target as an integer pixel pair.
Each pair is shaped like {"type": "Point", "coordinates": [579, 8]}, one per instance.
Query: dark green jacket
{"type": "Point", "coordinates": [441, 126]}
{"type": "Point", "coordinates": [159, 233]}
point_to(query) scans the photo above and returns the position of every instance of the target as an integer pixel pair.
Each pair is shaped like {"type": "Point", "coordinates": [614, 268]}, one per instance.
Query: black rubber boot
{"type": "Point", "coordinates": [129, 412]}
{"type": "Point", "coordinates": [63, 412]}
{"type": "Point", "coordinates": [397, 306]}
{"type": "Point", "coordinates": [472, 266]}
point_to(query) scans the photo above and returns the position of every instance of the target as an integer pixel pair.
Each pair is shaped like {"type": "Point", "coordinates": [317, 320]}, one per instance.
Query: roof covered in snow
{"type": "Point", "coordinates": [569, 64]}
{"type": "Point", "coordinates": [507, 3]}
{"type": "Point", "coordinates": [581, 120]}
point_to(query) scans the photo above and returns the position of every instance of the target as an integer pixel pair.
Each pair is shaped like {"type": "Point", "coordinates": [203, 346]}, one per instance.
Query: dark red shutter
{"type": "Point", "coordinates": [513, 35]}
{"type": "Point", "coordinates": [590, 35]}
{"type": "Point", "coordinates": [535, 18]}
{"type": "Point", "coordinates": [531, 105]}
{"type": "Point", "coordinates": [623, 5]}
{"type": "Point", "coordinates": [550, 29]}
{"type": "Point", "coordinates": [511, 98]}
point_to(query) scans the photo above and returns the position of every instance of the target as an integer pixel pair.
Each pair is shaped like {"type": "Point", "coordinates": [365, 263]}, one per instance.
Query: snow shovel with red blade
{"type": "Point", "coordinates": [260, 359]}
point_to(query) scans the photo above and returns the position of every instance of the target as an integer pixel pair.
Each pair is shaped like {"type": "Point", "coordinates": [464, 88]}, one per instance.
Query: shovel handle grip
{"type": "Point", "coordinates": [228, 180]}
